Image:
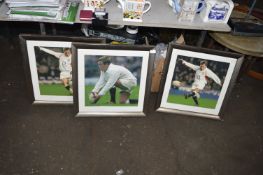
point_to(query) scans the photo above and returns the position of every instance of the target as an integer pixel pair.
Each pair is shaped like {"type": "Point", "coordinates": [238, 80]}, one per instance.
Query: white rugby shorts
{"type": "Point", "coordinates": [198, 85]}
{"type": "Point", "coordinates": [128, 83]}
{"type": "Point", "coordinates": [65, 74]}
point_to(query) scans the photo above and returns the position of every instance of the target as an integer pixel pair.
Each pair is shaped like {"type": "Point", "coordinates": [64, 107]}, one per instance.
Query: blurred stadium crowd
{"type": "Point", "coordinates": [48, 66]}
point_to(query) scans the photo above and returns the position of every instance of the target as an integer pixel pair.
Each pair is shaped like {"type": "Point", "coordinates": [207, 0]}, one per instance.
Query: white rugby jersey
{"type": "Point", "coordinates": [64, 61]}
{"type": "Point", "coordinates": [200, 75]}
{"type": "Point", "coordinates": [110, 76]}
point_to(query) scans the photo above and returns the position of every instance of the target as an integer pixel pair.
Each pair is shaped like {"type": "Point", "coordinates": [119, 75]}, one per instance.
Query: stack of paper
{"type": "Point", "coordinates": [41, 9]}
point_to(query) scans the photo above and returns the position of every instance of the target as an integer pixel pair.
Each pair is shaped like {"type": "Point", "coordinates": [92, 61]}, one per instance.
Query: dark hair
{"type": "Point", "coordinates": [104, 59]}
{"type": "Point", "coordinates": [65, 49]}
{"type": "Point", "coordinates": [203, 62]}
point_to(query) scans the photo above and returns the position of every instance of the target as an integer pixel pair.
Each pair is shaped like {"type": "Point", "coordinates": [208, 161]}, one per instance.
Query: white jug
{"type": "Point", "coordinates": [128, 5]}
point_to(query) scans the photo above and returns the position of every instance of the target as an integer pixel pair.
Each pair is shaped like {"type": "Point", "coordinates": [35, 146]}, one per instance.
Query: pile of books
{"type": "Point", "coordinates": [37, 10]}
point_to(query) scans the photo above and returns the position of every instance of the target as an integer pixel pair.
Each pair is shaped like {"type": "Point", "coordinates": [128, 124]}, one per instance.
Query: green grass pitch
{"type": "Point", "coordinates": [53, 89]}
{"type": "Point", "coordinates": [203, 102]}
{"type": "Point", "coordinates": [104, 101]}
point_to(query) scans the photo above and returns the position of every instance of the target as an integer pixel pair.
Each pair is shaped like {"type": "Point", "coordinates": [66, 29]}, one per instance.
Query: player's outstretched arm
{"type": "Point", "coordinates": [100, 84]}
{"type": "Point", "coordinates": [191, 66]}
{"type": "Point", "coordinates": [180, 60]}
{"type": "Point", "coordinates": [214, 77]}
{"type": "Point", "coordinates": [51, 52]}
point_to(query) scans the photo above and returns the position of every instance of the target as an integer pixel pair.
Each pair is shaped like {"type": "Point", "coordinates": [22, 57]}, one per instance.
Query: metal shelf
{"type": "Point", "coordinates": [160, 15]}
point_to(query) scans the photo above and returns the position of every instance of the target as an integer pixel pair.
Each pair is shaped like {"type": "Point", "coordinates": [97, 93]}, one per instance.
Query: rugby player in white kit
{"type": "Point", "coordinates": [64, 66]}
{"type": "Point", "coordinates": [200, 79]}
{"type": "Point", "coordinates": [112, 76]}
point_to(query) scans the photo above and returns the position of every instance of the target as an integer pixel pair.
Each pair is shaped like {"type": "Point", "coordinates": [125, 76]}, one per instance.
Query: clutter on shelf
{"type": "Point", "coordinates": [59, 10]}
{"type": "Point", "coordinates": [93, 4]}
{"type": "Point", "coordinates": [133, 10]}
{"type": "Point", "coordinates": [215, 11]}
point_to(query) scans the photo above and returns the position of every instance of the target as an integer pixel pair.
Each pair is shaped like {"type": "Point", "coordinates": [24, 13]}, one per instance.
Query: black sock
{"type": "Point", "coordinates": [133, 101]}
{"type": "Point", "coordinates": [112, 95]}
{"type": "Point", "coordinates": [191, 95]}
{"type": "Point", "coordinates": [195, 100]}
{"type": "Point", "coordinates": [67, 87]}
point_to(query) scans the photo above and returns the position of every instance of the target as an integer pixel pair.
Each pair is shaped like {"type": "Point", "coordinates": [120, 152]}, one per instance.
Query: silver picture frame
{"type": "Point", "coordinates": [88, 74]}
{"type": "Point", "coordinates": [42, 69]}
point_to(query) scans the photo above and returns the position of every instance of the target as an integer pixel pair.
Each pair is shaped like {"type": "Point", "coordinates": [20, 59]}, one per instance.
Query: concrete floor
{"type": "Point", "coordinates": [48, 140]}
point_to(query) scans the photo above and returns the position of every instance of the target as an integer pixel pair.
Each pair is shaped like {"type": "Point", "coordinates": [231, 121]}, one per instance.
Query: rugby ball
{"type": "Point", "coordinates": [176, 83]}
{"type": "Point", "coordinates": [92, 97]}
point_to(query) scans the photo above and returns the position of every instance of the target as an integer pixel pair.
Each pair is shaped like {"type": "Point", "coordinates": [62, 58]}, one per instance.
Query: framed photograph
{"type": "Point", "coordinates": [197, 81]}
{"type": "Point", "coordinates": [112, 79]}
{"type": "Point", "coordinates": [48, 69]}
